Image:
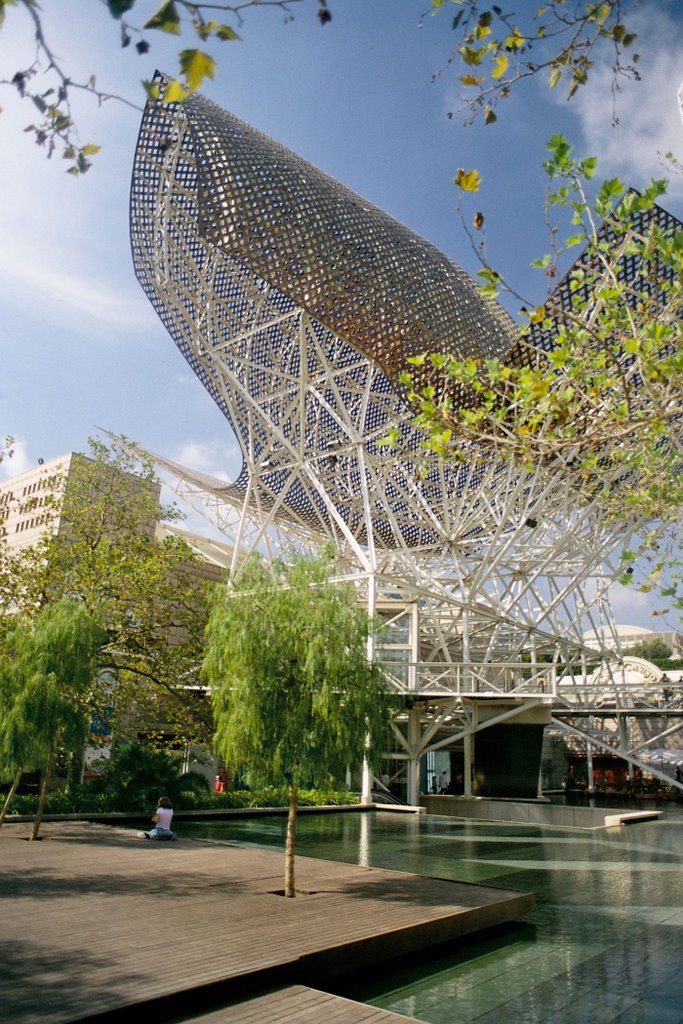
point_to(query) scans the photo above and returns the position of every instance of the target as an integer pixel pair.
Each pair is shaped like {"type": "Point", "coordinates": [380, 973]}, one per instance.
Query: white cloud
{"type": "Point", "coordinates": [51, 290]}
{"type": "Point", "coordinates": [216, 458]}
{"type": "Point", "coordinates": [631, 607]}
{"type": "Point", "coordinates": [19, 461]}
{"type": "Point", "coordinates": [65, 259]}
{"type": "Point", "coordinates": [648, 111]}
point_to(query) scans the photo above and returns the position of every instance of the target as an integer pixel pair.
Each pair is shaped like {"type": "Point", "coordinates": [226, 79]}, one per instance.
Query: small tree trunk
{"type": "Point", "coordinates": [290, 844]}
{"type": "Point", "coordinates": [10, 796]}
{"type": "Point", "coordinates": [43, 793]}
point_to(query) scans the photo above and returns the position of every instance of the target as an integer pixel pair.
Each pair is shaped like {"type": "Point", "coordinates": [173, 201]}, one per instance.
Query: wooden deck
{"type": "Point", "coordinates": [302, 1005]}
{"type": "Point", "coordinates": [94, 922]}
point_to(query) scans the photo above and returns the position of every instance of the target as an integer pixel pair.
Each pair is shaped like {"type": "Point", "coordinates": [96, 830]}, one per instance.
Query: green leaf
{"type": "Point", "coordinates": [226, 34]}
{"type": "Point", "coordinates": [175, 92]}
{"type": "Point", "coordinates": [392, 438]}
{"type": "Point", "coordinates": [166, 19]}
{"type": "Point", "coordinates": [152, 90]}
{"type": "Point", "coordinates": [500, 66]}
{"type": "Point", "coordinates": [468, 181]}
{"type": "Point", "coordinates": [514, 41]}
{"type": "Point", "coordinates": [119, 7]}
{"type": "Point", "coordinates": [471, 56]}
{"type": "Point", "coordinates": [611, 188]}
{"type": "Point", "coordinates": [483, 26]}
{"type": "Point", "coordinates": [196, 66]}
{"type": "Point", "coordinates": [600, 13]}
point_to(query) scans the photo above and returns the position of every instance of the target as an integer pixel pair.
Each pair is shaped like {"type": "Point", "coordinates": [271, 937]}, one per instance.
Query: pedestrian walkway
{"type": "Point", "coordinates": [97, 923]}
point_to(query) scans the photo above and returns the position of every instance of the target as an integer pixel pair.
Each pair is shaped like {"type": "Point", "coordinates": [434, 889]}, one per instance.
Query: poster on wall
{"type": "Point", "coordinates": [99, 749]}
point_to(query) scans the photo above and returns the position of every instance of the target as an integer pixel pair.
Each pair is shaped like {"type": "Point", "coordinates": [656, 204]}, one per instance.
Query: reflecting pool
{"type": "Point", "coordinates": [605, 942]}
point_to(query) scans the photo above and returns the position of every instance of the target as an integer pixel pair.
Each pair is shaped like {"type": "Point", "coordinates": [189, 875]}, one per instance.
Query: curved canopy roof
{"type": "Point", "coordinates": [297, 304]}
{"type": "Point", "coordinates": [365, 276]}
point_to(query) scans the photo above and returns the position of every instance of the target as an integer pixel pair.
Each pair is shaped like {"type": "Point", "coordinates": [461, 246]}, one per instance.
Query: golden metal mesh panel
{"type": "Point", "coordinates": [297, 304]}
{"type": "Point", "coordinates": [646, 279]}
{"type": "Point", "coordinates": [367, 277]}
{"type": "Point", "coordinates": [235, 243]}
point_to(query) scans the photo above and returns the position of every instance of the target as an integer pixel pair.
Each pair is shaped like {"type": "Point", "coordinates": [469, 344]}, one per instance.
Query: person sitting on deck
{"type": "Point", "coordinates": [162, 818]}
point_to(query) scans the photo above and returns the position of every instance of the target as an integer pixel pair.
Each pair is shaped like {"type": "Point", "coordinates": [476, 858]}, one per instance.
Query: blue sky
{"type": "Point", "coordinates": [80, 346]}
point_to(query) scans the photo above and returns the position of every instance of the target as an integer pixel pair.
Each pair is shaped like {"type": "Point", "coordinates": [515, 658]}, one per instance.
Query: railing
{"type": "Point", "coordinates": [486, 680]}
{"type": "Point", "coordinates": [527, 681]}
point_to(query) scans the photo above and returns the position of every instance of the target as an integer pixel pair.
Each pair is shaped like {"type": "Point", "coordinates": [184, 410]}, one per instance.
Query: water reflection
{"type": "Point", "coordinates": [364, 841]}
{"type": "Point", "coordinates": [604, 943]}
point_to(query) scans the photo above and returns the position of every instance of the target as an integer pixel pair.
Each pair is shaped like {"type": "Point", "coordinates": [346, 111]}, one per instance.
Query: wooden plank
{"type": "Point", "coordinates": [298, 1004]}
{"type": "Point", "coordinates": [93, 917]}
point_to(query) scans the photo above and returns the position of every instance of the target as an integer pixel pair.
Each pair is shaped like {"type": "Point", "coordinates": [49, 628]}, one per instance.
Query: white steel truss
{"type": "Point", "coordinates": [297, 303]}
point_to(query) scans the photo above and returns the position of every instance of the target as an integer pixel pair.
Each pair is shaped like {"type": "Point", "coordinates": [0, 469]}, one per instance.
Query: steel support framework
{"type": "Point", "coordinates": [297, 303]}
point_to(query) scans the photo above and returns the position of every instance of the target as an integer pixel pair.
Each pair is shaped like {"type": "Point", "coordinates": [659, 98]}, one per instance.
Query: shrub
{"type": "Point", "coordinates": [138, 775]}
{"type": "Point", "coordinates": [79, 800]}
{"type": "Point", "coordinates": [84, 800]}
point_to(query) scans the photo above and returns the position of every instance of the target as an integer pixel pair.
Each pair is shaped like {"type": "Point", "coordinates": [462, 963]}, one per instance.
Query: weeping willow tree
{"type": "Point", "coordinates": [48, 690]}
{"type": "Point", "coordinates": [292, 689]}
{"type": "Point", "coordinates": [18, 747]}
